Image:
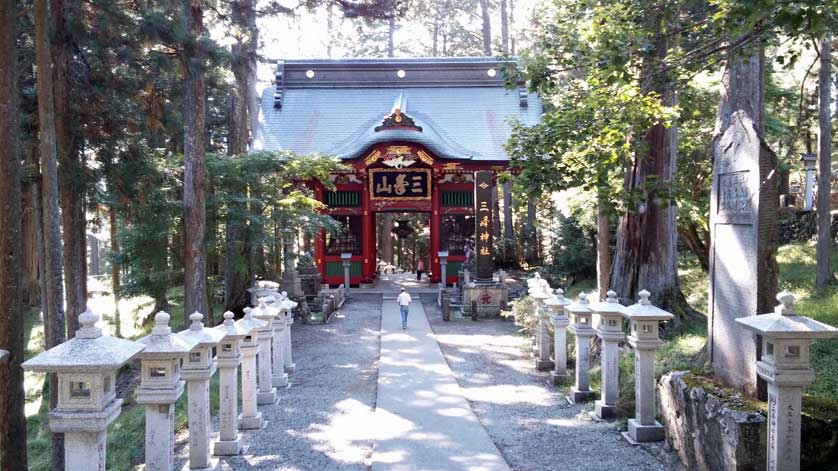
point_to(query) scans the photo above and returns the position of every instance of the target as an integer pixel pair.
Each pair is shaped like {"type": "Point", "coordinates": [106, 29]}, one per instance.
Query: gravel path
{"type": "Point", "coordinates": [529, 421]}
{"type": "Point", "coordinates": [315, 425]}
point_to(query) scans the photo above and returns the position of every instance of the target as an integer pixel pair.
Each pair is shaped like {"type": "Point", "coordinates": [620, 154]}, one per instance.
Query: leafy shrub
{"type": "Point", "coordinates": [523, 313]}
{"type": "Point", "coordinates": [573, 255]}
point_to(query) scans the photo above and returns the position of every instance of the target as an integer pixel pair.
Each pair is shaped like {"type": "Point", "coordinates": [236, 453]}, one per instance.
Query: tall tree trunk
{"type": "Point", "coordinates": [195, 168]}
{"type": "Point", "coordinates": [487, 27]}
{"type": "Point", "coordinates": [31, 232]}
{"type": "Point", "coordinates": [531, 242]}
{"type": "Point", "coordinates": [236, 275]}
{"type": "Point", "coordinates": [435, 34]}
{"type": "Point", "coordinates": [646, 254]}
{"type": "Point", "coordinates": [13, 399]}
{"type": "Point", "coordinates": [115, 281]}
{"type": "Point", "coordinates": [70, 173]}
{"type": "Point", "coordinates": [391, 34]}
{"type": "Point", "coordinates": [603, 247]}
{"type": "Point", "coordinates": [385, 242]}
{"type": "Point", "coordinates": [53, 302]}
{"type": "Point", "coordinates": [824, 274]}
{"type": "Point", "coordinates": [330, 26]}
{"type": "Point", "coordinates": [512, 27]}
{"type": "Point", "coordinates": [696, 240]}
{"type": "Point", "coordinates": [504, 28]}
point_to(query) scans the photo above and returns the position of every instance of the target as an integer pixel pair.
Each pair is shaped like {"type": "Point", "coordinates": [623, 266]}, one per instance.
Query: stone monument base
{"type": "Point", "coordinates": [280, 380]}
{"type": "Point", "coordinates": [557, 379]}
{"type": "Point", "coordinates": [228, 447]}
{"type": "Point", "coordinates": [491, 298]}
{"type": "Point", "coordinates": [604, 411]}
{"type": "Point", "coordinates": [250, 423]}
{"type": "Point", "coordinates": [644, 433]}
{"type": "Point", "coordinates": [269, 397]}
{"type": "Point", "coordinates": [543, 365]}
{"type": "Point", "coordinates": [290, 283]}
{"type": "Point", "coordinates": [581, 396]}
{"type": "Point", "coordinates": [213, 466]}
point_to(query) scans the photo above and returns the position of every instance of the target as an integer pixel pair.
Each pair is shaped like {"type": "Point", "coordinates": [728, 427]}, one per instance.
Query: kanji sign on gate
{"type": "Point", "coordinates": [483, 245]}
{"type": "Point", "coordinates": [403, 184]}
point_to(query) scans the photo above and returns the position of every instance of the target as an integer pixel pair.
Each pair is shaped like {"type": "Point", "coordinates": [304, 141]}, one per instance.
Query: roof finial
{"type": "Point", "coordinates": [88, 330]}
{"type": "Point", "coordinates": [196, 318]}
{"type": "Point", "coordinates": [786, 306]}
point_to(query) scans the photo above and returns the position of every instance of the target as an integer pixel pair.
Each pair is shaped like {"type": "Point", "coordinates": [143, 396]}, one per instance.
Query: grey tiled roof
{"type": "Point", "coordinates": [463, 113]}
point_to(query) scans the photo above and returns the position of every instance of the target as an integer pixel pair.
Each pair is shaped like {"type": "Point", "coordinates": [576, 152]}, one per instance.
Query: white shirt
{"type": "Point", "coordinates": [403, 299]}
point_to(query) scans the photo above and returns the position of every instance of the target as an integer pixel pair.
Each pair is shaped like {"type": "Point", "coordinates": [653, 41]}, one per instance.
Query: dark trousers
{"type": "Point", "coordinates": [419, 275]}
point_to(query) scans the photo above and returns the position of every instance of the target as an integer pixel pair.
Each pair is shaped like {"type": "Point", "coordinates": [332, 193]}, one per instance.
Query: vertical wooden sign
{"type": "Point", "coordinates": [484, 261]}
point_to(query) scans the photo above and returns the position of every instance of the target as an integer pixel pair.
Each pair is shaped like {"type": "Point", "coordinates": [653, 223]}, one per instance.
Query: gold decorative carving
{"type": "Point", "coordinates": [374, 155]}
{"type": "Point", "coordinates": [451, 166]}
{"type": "Point", "coordinates": [425, 158]}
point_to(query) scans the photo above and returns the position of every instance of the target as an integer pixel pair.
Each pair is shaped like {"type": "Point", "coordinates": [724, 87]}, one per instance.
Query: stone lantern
{"type": "Point", "coordinates": [560, 321]}
{"type": "Point", "coordinates": [581, 313]}
{"type": "Point", "coordinates": [267, 314]}
{"type": "Point", "coordinates": [643, 338]}
{"type": "Point", "coordinates": [250, 418]}
{"type": "Point", "coordinates": [810, 162]}
{"type": "Point", "coordinates": [289, 321]}
{"type": "Point", "coordinates": [279, 376]}
{"type": "Point", "coordinates": [785, 365]}
{"type": "Point", "coordinates": [160, 386]}
{"type": "Point", "coordinates": [197, 370]}
{"type": "Point", "coordinates": [541, 292]}
{"type": "Point", "coordinates": [610, 331]}
{"type": "Point", "coordinates": [229, 357]}
{"type": "Point", "coordinates": [87, 404]}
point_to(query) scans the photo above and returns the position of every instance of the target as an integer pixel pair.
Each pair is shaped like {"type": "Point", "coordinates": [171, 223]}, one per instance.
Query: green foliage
{"type": "Point", "coordinates": [523, 313]}
{"type": "Point", "coordinates": [572, 251]}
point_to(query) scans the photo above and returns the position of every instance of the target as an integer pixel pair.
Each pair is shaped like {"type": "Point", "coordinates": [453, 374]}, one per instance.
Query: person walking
{"type": "Point", "coordinates": [420, 268]}
{"type": "Point", "coordinates": [404, 306]}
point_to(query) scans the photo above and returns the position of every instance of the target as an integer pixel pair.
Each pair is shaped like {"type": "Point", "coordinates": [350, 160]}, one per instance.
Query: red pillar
{"type": "Point", "coordinates": [320, 247]}
{"type": "Point", "coordinates": [436, 229]}
{"type": "Point", "coordinates": [367, 240]}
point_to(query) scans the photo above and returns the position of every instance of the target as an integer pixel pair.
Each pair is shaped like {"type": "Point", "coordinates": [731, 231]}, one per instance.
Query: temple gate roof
{"type": "Point", "coordinates": [459, 108]}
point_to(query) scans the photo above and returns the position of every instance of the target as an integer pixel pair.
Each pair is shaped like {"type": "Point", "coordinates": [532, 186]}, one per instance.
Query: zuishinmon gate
{"type": "Point", "coordinates": [414, 131]}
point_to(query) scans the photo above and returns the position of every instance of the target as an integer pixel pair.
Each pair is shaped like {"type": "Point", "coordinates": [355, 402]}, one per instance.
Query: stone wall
{"type": "Point", "coordinates": [715, 428]}
{"type": "Point", "coordinates": [801, 226]}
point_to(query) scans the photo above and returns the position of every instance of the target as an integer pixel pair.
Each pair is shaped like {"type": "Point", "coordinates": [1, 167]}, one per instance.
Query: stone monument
{"type": "Point", "coordinates": [229, 358]}
{"type": "Point", "coordinates": [87, 404]}
{"type": "Point", "coordinates": [610, 331]}
{"type": "Point", "coordinates": [197, 371]}
{"type": "Point", "coordinates": [250, 418]}
{"type": "Point", "coordinates": [560, 322]}
{"type": "Point", "coordinates": [484, 292]}
{"type": "Point", "coordinates": [267, 314]}
{"type": "Point", "coordinates": [160, 387]}
{"type": "Point", "coordinates": [743, 204]}
{"type": "Point", "coordinates": [785, 365]}
{"type": "Point", "coordinates": [580, 314]}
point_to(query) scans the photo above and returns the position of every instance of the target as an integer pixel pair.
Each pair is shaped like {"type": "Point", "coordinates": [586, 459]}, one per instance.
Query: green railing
{"type": "Point", "coordinates": [458, 198]}
{"type": "Point", "coordinates": [336, 269]}
{"type": "Point", "coordinates": [343, 199]}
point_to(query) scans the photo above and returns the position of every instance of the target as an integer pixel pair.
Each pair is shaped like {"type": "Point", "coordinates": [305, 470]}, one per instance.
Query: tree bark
{"type": "Point", "coordinates": [603, 248]}
{"type": "Point", "coordinates": [504, 28]}
{"type": "Point", "coordinates": [696, 240]}
{"type": "Point", "coordinates": [824, 274]}
{"type": "Point", "coordinates": [391, 33]}
{"type": "Point", "coordinates": [12, 399]}
{"type": "Point", "coordinates": [70, 174]}
{"type": "Point", "coordinates": [508, 229]}
{"type": "Point", "coordinates": [487, 27]}
{"type": "Point", "coordinates": [512, 27]}
{"type": "Point", "coordinates": [385, 242]}
{"type": "Point", "coordinates": [53, 305]}
{"type": "Point", "coordinates": [195, 169]}
{"type": "Point", "coordinates": [115, 281]}
{"type": "Point", "coordinates": [646, 254]}
{"type": "Point", "coordinates": [31, 232]}
{"type": "Point", "coordinates": [531, 241]}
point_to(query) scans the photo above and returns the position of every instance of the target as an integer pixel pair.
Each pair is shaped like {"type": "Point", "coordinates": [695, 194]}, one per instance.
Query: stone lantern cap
{"type": "Point", "coordinates": [254, 323]}
{"type": "Point", "coordinates": [643, 310]}
{"type": "Point", "coordinates": [162, 343]}
{"type": "Point", "coordinates": [580, 306]}
{"type": "Point", "coordinates": [88, 351]}
{"type": "Point", "coordinates": [202, 336]}
{"type": "Point", "coordinates": [540, 290]}
{"type": "Point", "coordinates": [784, 323]}
{"type": "Point", "coordinates": [263, 310]}
{"type": "Point", "coordinates": [611, 305]}
{"type": "Point", "coordinates": [288, 304]}
{"type": "Point", "coordinates": [232, 329]}
{"type": "Point", "coordinates": [557, 300]}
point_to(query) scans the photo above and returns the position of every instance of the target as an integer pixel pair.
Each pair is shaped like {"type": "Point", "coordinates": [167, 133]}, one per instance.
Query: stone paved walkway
{"type": "Point", "coordinates": [424, 419]}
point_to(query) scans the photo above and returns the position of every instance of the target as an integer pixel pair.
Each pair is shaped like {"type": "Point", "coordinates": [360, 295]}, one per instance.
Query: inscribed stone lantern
{"type": "Point", "coordinates": [289, 321]}
{"type": "Point", "coordinates": [279, 376]}
{"type": "Point", "coordinates": [160, 386]}
{"type": "Point", "coordinates": [197, 371]}
{"type": "Point", "coordinates": [250, 418]}
{"type": "Point", "coordinates": [610, 331]}
{"type": "Point", "coordinates": [87, 404]}
{"type": "Point", "coordinates": [267, 314]}
{"type": "Point", "coordinates": [540, 291]}
{"type": "Point", "coordinates": [229, 357]}
{"type": "Point", "coordinates": [645, 319]}
{"type": "Point", "coordinates": [785, 365]}
{"type": "Point", "coordinates": [560, 321]}
{"type": "Point", "coordinates": [580, 325]}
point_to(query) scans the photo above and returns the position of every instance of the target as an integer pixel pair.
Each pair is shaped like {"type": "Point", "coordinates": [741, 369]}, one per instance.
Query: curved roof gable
{"type": "Point", "coordinates": [458, 108]}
